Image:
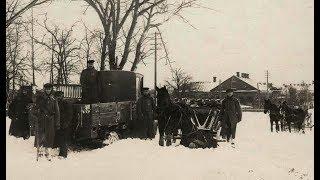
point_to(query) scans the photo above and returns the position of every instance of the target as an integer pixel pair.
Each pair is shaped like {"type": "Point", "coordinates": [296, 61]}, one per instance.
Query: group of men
{"type": "Point", "coordinates": [51, 116]}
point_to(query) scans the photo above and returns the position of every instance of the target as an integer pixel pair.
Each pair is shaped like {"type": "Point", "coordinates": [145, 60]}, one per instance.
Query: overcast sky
{"type": "Point", "coordinates": [249, 36]}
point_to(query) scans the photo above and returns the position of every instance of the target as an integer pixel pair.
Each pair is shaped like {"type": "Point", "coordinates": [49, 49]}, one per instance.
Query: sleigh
{"type": "Point", "coordinates": [205, 119]}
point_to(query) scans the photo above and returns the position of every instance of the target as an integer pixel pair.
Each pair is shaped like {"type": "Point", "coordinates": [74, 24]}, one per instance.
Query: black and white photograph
{"type": "Point", "coordinates": [159, 90]}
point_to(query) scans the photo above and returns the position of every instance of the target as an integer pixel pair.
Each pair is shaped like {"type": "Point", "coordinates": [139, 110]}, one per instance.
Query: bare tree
{"type": "Point", "coordinates": [15, 8]}
{"type": "Point", "coordinates": [65, 52]}
{"type": "Point", "coordinates": [90, 45]}
{"type": "Point", "coordinates": [182, 83]}
{"type": "Point", "coordinates": [127, 25]}
{"type": "Point", "coordinates": [17, 58]}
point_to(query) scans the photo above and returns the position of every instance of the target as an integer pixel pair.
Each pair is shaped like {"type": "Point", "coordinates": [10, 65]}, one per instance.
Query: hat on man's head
{"type": "Point", "coordinates": [48, 85]}
{"type": "Point", "coordinates": [145, 88]}
{"type": "Point", "coordinates": [90, 61]}
{"type": "Point", "coordinates": [229, 90]}
{"type": "Point", "coordinates": [58, 94]}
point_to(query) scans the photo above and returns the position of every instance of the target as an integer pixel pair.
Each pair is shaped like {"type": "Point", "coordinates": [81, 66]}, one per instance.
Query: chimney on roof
{"type": "Point", "coordinates": [238, 74]}
{"type": "Point", "coordinates": [245, 75]}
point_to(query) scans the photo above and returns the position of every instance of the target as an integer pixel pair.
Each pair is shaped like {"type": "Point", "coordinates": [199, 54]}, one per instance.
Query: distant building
{"type": "Point", "coordinates": [245, 90]}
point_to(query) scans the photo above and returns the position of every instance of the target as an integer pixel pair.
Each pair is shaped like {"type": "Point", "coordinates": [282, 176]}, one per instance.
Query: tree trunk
{"type": "Point", "coordinates": [129, 36]}
{"type": "Point", "coordinates": [103, 54]}
{"type": "Point", "coordinates": [7, 82]}
{"type": "Point", "coordinates": [112, 57]}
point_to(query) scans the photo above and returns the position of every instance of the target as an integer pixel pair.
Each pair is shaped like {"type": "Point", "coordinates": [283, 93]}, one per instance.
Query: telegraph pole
{"type": "Point", "coordinates": [32, 49]}
{"type": "Point", "coordinates": [155, 65]}
{"type": "Point", "coordinates": [155, 60]}
{"type": "Point", "coordinates": [220, 89]}
{"type": "Point", "coordinates": [267, 76]}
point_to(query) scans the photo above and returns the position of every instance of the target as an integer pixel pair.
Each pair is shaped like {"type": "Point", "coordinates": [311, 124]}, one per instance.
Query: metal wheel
{"type": "Point", "coordinates": [111, 137]}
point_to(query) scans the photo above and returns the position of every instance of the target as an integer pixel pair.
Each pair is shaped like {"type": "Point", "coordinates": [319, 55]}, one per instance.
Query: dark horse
{"type": "Point", "coordinates": [293, 116]}
{"type": "Point", "coordinates": [170, 116]}
{"type": "Point", "coordinates": [175, 116]}
{"type": "Point", "coordinates": [274, 113]}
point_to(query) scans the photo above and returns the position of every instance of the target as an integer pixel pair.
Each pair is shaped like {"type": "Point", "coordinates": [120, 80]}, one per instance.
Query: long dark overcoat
{"type": "Point", "coordinates": [49, 119]}
{"type": "Point", "coordinates": [145, 119]}
{"type": "Point", "coordinates": [18, 113]}
{"type": "Point", "coordinates": [89, 81]}
{"type": "Point", "coordinates": [66, 114]}
{"type": "Point", "coordinates": [231, 111]}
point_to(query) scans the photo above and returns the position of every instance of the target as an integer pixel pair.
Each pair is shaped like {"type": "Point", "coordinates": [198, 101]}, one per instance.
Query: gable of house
{"type": "Point", "coordinates": [236, 83]}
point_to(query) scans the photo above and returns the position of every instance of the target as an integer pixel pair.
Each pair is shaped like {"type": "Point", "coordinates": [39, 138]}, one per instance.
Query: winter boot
{"type": "Point", "coordinates": [232, 142]}
{"type": "Point", "coordinates": [218, 137]}
{"type": "Point", "coordinates": [161, 141]}
{"type": "Point", "coordinates": [174, 139]}
{"type": "Point", "coordinates": [47, 155]}
{"type": "Point", "coordinates": [168, 140]}
{"type": "Point", "coordinates": [192, 145]}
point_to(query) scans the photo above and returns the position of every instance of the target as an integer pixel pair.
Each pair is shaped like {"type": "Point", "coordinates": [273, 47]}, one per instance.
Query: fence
{"type": "Point", "coordinates": [69, 90]}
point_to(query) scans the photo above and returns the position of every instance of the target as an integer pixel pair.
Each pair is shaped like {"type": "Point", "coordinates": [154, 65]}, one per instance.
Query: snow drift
{"type": "Point", "coordinates": [259, 154]}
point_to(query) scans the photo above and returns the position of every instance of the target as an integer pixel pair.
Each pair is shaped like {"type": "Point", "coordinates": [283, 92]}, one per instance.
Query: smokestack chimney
{"type": "Point", "coordinates": [214, 79]}
{"type": "Point", "coordinates": [238, 74]}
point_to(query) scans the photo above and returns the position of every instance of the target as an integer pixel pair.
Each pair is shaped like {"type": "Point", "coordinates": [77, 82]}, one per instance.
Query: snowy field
{"type": "Point", "coordinates": [259, 155]}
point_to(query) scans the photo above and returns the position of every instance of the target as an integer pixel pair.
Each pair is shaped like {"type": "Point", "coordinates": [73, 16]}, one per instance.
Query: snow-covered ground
{"type": "Point", "coordinates": [259, 155]}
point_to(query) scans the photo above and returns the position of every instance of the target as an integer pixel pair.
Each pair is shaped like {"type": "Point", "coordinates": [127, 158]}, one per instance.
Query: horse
{"type": "Point", "coordinates": [274, 113]}
{"type": "Point", "coordinates": [178, 116]}
{"type": "Point", "coordinates": [294, 116]}
{"type": "Point", "coordinates": [169, 116]}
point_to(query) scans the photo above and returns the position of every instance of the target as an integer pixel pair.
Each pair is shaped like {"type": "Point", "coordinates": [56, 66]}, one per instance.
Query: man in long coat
{"type": "Point", "coordinates": [48, 115]}
{"type": "Point", "coordinates": [232, 114]}
{"type": "Point", "coordinates": [90, 84]}
{"type": "Point", "coordinates": [64, 134]}
{"type": "Point", "coordinates": [145, 110]}
{"type": "Point", "coordinates": [18, 113]}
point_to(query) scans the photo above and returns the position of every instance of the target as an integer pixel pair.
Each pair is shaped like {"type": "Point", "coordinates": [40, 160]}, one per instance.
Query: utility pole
{"type": "Point", "coordinates": [32, 49]}
{"type": "Point", "coordinates": [155, 60]}
{"type": "Point", "coordinates": [220, 89]}
{"type": "Point", "coordinates": [267, 76]}
{"type": "Point", "coordinates": [155, 65]}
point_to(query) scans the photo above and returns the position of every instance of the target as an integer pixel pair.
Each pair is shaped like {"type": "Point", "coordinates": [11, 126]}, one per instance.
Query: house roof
{"type": "Point", "coordinates": [241, 85]}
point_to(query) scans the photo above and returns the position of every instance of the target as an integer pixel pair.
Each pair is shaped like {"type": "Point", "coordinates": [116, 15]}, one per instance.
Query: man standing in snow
{"type": "Point", "coordinates": [18, 112]}
{"type": "Point", "coordinates": [145, 109]}
{"type": "Point", "coordinates": [89, 84]}
{"type": "Point", "coordinates": [48, 115]}
{"type": "Point", "coordinates": [232, 114]}
{"type": "Point", "coordinates": [63, 135]}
